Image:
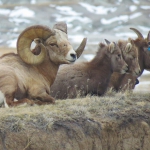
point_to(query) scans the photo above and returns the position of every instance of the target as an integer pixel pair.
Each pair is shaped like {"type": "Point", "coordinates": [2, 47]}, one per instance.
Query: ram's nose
{"type": "Point", "coordinates": [74, 56]}
{"type": "Point", "coordinates": [71, 56]}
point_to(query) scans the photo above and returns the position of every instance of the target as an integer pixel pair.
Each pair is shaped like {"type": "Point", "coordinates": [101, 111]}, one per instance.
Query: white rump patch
{"type": "Point", "coordinates": [3, 100]}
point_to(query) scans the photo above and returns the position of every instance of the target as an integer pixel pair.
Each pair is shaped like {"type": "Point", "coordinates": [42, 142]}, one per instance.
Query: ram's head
{"type": "Point", "coordinates": [51, 44]}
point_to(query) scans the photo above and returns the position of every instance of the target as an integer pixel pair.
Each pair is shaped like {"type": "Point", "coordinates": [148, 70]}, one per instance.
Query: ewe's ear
{"type": "Point", "coordinates": [112, 46]}
{"type": "Point", "coordinates": [61, 26]}
{"type": "Point", "coordinates": [148, 37]}
{"type": "Point", "coordinates": [107, 42]}
{"type": "Point", "coordinates": [131, 41]}
{"type": "Point", "coordinates": [120, 44]}
{"type": "Point", "coordinates": [128, 47]}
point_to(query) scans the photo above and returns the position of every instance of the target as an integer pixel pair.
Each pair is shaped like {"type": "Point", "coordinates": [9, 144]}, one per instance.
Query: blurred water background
{"type": "Point", "coordinates": [94, 19]}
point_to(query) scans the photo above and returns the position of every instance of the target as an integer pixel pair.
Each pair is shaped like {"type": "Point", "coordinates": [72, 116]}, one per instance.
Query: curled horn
{"type": "Point", "coordinates": [27, 37]}
{"type": "Point", "coordinates": [108, 42]}
{"type": "Point", "coordinates": [138, 33]}
{"type": "Point", "coordinates": [63, 27]}
{"type": "Point", "coordinates": [80, 49]}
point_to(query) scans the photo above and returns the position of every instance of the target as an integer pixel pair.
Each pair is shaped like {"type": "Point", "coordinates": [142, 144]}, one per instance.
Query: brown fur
{"type": "Point", "coordinates": [144, 61]}
{"type": "Point", "coordinates": [130, 55]}
{"type": "Point", "coordinates": [89, 77]}
{"type": "Point", "coordinates": [31, 83]}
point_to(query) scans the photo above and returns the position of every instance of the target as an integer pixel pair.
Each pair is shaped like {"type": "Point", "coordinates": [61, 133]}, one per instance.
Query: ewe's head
{"type": "Point", "coordinates": [130, 55]}
{"type": "Point", "coordinates": [117, 62]}
{"type": "Point", "coordinates": [49, 42]}
{"type": "Point", "coordinates": [143, 45]}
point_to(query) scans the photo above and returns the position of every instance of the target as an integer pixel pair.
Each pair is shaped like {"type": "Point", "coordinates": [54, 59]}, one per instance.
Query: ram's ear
{"type": "Point", "coordinates": [112, 47]}
{"type": "Point", "coordinates": [61, 26]}
{"type": "Point", "coordinates": [37, 48]}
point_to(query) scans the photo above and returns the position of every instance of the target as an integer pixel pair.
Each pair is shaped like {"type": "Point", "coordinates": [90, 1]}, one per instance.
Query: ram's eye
{"type": "Point", "coordinates": [52, 44]}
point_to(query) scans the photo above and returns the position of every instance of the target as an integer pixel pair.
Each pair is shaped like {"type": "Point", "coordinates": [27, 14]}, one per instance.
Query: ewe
{"type": "Point", "coordinates": [28, 77]}
{"type": "Point", "coordinates": [143, 46]}
{"type": "Point", "coordinates": [89, 77]}
{"type": "Point", "coordinates": [130, 55]}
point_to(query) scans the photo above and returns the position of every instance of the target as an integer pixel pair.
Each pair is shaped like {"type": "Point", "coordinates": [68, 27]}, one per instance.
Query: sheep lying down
{"type": "Point", "coordinates": [27, 76]}
{"type": "Point", "coordinates": [83, 78]}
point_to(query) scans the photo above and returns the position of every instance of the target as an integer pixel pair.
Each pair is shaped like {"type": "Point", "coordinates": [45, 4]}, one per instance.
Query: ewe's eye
{"type": "Point", "coordinates": [148, 43]}
{"type": "Point", "coordinates": [119, 55]}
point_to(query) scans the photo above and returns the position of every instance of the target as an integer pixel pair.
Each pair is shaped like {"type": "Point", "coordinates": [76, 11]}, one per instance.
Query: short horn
{"type": "Point", "coordinates": [61, 26]}
{"type": "Point", "coordinates": [108, 42]}
{"type": "Point", "coordinates": [24, 43]}
{"type": "Point", "coordinates": [138, 33]}
{"type": "Point", "coordinates": [80, 49]}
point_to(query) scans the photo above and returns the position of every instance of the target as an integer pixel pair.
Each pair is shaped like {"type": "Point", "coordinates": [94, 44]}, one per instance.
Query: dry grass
{"type": "Point", "coordinates": [112, 106]}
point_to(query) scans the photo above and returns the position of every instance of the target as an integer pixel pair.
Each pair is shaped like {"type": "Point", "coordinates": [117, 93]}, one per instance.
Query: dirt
{"type": "Point", "coordinates": [81, 134]}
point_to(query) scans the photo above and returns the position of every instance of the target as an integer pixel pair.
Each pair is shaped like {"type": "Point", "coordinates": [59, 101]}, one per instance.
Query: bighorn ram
{"type": "Point", "coordinates": [92, 77]}
{"type": "Point", "coordinates": [143, 46]}
{"type": "Point", "coordinates": [130, 55]}
{"type": "Point", "coordinates": [28, 77]}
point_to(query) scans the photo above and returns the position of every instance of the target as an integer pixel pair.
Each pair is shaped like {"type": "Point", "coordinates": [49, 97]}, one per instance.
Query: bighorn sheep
{"type": "Point", "coordinates": [92, 77]}
{"type": "Point", "coordinates": [28, 77]}
{"type": "Point", "coordinates": [143, 46]}
{"type": "Point", "coordinates": [130, 55]}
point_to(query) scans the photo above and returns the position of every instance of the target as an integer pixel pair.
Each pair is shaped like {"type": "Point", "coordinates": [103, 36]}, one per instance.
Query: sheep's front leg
{"type": "Point", "coordinates": [46, 98]}
{"type": "Point", "coordinates": [42, 97]}
{"type": "Point", "coordinates": [11, 103]}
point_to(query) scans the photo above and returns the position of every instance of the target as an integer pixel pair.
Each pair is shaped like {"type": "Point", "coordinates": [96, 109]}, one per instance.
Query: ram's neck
{"type": "Point", "coordinates": [49, 70]}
